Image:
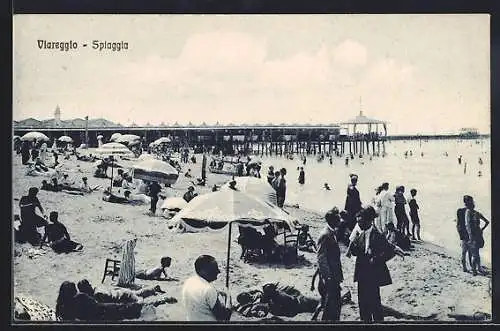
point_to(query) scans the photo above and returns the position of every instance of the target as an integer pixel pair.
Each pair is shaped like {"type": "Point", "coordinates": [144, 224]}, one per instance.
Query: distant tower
{"type": "Point", "coordinates": [57, 116]}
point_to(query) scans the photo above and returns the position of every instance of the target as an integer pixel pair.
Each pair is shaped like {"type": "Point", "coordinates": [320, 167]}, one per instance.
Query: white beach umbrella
{"type": "Point", "coordinates": [143, 157]}
{"type": "Point", "coordinates": [127, 138]}
{"type": "Point", "coordinates": [257, 187]}
{"type": "Point", "coordinates": [113, 149]}
{"type": "Point", "coordinates": [214, 211]}
{"type": "Point", "coordinates": [155, 170]}
{"type": "Point", "coordinates": [174, 203]}
{"type": "Point", "coordinates": [65, 139]}
{"type": "Point", "coordinates": [162, 140]}
{"type": "Point", "coordinates": [34, 135]}
{"type": "Point", "coordinates": [115, 136]}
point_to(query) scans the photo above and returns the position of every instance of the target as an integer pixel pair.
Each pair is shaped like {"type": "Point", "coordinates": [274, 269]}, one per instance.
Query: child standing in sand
{"type": "Point", "coordinates": [415, 220]}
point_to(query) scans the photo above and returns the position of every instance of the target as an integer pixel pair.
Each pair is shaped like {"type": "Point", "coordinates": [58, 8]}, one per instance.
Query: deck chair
{"type": "Point", "coordinates": [111, 268]}
{"type": "Point", "coordinates": [291, 248]}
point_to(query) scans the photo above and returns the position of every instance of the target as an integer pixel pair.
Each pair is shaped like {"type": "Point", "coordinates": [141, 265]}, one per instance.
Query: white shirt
{"type": "Point", "coordinates": [386, 199]}
{"type": "Point", "coordinates": [367, 238]}
{"type": "Point", "coordinates": [357, 231]}
{"type": "Point", "coordinates": [199, 298]}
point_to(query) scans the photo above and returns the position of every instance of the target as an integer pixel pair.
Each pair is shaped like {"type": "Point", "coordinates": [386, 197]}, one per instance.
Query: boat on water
{"type": "Point", "coordinates": [227, 165]}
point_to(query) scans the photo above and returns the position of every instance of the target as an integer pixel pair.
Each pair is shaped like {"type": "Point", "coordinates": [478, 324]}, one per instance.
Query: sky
{"type": "Point", "coordinates": [421, 73]}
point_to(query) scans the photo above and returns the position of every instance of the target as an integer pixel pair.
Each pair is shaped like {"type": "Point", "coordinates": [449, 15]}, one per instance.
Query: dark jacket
{"type": "Point", "coordinates": [381, 250]}
{"type": "Point", "coordinates": [353, 201]}
{"type": "Point", "coordinates": [328, 254]}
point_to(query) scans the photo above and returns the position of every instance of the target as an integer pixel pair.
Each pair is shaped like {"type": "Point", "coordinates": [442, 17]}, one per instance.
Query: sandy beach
{"type": "Point", "coordinates": [429, 283]}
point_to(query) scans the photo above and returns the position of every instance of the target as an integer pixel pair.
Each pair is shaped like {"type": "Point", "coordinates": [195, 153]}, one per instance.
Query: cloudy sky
{"type": "Point", "coordinates": [422, 73]}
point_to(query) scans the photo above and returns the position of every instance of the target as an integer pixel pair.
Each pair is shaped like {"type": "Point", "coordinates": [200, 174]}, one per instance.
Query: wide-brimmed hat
{"type": "Point", "coordinates": [353, 176]}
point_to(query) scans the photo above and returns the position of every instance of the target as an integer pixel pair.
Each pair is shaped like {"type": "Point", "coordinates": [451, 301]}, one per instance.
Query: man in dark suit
{"type": "Point", "coordinates": [462, 233]}
{"type": "Point", "coordinates": [330, 268]}
{"type": "Point", "coordinates": [372, 251]}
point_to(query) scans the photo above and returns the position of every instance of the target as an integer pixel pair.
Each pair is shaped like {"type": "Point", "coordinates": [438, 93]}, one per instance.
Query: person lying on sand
{"type": "Point", "coordinates": [110, 197]}
{"type": "Point", "coordinates": [199, 182]}
{"type": "Point", "coordinates": [123, 295]}
{"type": "Point", "coordinates": [85, 158]}
{"type": "Point", "coordinates": [58, 237]}
{"type": "Point", "coordinates": [157, 272]}
{"type": "Point", "coordinates": [72, 305]}
{"type": "Point", "coordinates": [100, 172]}
{"type": "Point", "coordinates": [137, 198]}
{"type": "Point", "coordinates": [57, 187]}
{"type": "Point", "coordinates": [33, 171]}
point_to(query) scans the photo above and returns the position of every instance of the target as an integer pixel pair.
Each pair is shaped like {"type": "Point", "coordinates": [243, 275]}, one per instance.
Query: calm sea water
{"type": "Point", "coordinates": [439, 180]}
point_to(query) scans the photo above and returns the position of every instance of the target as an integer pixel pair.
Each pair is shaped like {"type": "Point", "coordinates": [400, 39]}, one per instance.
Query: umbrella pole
{"type": "Point", "coordinates": [228, 254]}
{"type": "Point", "coordinates": [111, 187]}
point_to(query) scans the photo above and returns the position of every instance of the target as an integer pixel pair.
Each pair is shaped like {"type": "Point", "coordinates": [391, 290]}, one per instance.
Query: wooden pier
{"type": "Point", "coordinates": [270, 139]}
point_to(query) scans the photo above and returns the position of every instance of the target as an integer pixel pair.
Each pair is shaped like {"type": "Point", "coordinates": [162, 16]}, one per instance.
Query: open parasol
{"type": "Point", "coordinates": [214, 211]}
{"type": "Point", "coordinates": [34, 136]}
{"type": "Point", "coordinates": [155, 170]}
{"type": "Point", "coordinates": [65, 139]}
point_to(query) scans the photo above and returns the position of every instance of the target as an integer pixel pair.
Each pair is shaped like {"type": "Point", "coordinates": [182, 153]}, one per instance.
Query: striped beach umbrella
{"type": "Point", "coordinates": [155, 170]}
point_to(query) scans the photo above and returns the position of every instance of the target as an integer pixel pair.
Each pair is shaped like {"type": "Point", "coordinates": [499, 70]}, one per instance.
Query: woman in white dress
{"type": "Point", "coordinates": [386, 206]}
{"type": "Point", "coordinates": [376, 203]}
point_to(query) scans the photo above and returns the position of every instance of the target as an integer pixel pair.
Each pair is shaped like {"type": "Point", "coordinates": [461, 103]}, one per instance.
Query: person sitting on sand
{"type": "Point", "coordinates": [305, 241]}
{"type": "Point", "coordinates": [110, 197]}
{"type": "Point", "coordinates": [72, 305]}
{"type": "Point", "coordinates": [157, 272]}
{"type": "Point", "coordinates": [65, 181]}
{"type": "Point", "coordinates": [127, 182]}
{"type": "Point", "coordinates": [215, 188]}
{"type": "Point", "coordinates": [100, 172]}
{"type": "Point", "coordinates": [137, 198]}
{"type": "Point", "coordinates": [188, 173]}
{"type": "Point", "coordinates": [190, 194]}
{"type": "Point", "coordinates": [40, 166]}
{"type": "Point", "coordinates": [201, 300]}
{"type": "Point", "coordinates": [118, 179]}
{"type": "Point", "coordinates": [58, 237]}
{"type": "Point", "coordinates": [85, 188]}
{"type": "Point", "coordinates": [30, 220]}
{"type": "Point", "coordinates": [326, 187]}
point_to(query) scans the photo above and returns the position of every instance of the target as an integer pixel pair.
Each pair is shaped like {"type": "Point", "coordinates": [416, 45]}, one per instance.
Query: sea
{"type": "Point", "coordinates": [432, 169]}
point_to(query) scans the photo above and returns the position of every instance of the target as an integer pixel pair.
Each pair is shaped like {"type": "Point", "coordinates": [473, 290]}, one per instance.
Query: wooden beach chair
{"type": "Point", "coordinates": [291, 248]}
{"type": "Point", "coordinates": [111, 268]}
